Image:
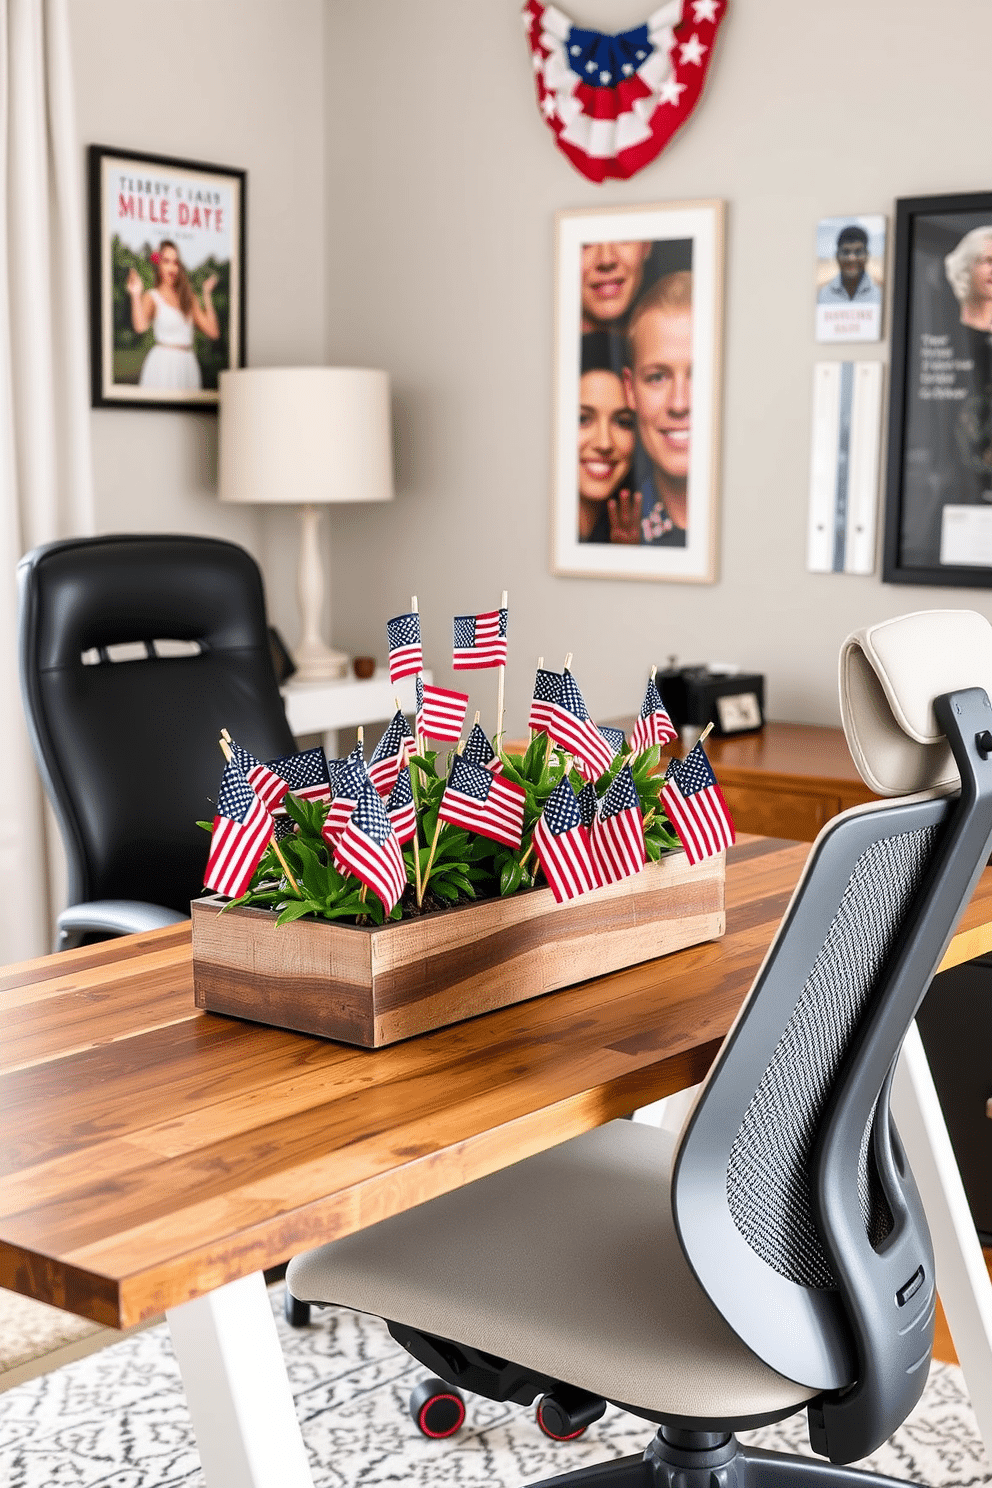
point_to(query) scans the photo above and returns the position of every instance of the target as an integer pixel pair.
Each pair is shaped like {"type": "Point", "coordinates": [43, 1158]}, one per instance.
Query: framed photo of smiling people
{"type": "Point", "coordinates": [167, 279]}
{"type": "Point", "coordinates": [639, 299]}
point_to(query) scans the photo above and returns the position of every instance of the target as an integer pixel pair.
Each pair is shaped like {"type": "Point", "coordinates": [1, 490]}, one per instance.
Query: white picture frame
{"type": "Point", "coordinates": [630, 539]}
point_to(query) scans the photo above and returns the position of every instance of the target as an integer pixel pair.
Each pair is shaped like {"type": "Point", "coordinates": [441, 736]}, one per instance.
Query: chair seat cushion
{"type": "Point", "coordinates": [567, 1263]}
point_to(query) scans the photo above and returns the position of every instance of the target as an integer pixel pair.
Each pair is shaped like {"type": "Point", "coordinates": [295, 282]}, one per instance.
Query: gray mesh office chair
{"type": "Point", "coordinates": [775, 1257]}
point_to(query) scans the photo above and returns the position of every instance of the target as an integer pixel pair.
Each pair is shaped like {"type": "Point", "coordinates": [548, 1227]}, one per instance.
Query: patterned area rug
{"type": "Point", "coordinates": [118, 1420]}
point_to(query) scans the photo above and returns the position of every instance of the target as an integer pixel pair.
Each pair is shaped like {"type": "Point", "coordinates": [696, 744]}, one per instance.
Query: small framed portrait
{"type": "Point", "coordinates": [638, 339]}
{"type": "Point", "coordinates": [850, 278]}
{"type": "Point", "coordinates": [938, 500]}
{"type": "Point", "coordinates": [167, 279]}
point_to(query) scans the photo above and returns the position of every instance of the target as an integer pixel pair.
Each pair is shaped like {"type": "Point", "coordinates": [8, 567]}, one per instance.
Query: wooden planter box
{"type": "Point", "coordinates": [373, 986]}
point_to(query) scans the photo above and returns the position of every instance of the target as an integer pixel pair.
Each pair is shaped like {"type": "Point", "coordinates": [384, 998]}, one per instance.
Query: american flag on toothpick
{"type": "Point", "coordinates": [696, 808]}
{"type": "Point", "coordinates": [350, 780]}
{"type": "Point", "coordinates": [400, 808]}
{"type": "Point", "coordinates": [563, 847]}
{"type": "Point", "coordinates": [618, 831]}
{"type": "Point", "coordinates": [483, 802]}
{"type": "Point", "coordinates": [479, 640]}
{"type": "Point", "coordinates": [242, 831]}
{"type": "Point", "coordinates": [406, 653]}
{"type": "Point", "coordinates": [390, 754]}
{"type": "Point", "coordinates": [478, 750]}
{"type": "Point", "coordinates": [268, 786]}
{"type": "Point", "coordinates": [440, 712]}
{"type": "Point", "coordinates": [368, 847]}
{"type": "Point", "coordinates": [572, 727]}
{"type": "Point", "coordinates": [547, 693]}
{"type": "Point", "coordinates": [653, 726]}
{"type": "Point", "coordinates": [305, 774]}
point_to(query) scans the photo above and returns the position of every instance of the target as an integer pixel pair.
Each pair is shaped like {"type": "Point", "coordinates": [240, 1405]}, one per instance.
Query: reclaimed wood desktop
{"type": "Point", "coordinates": [151, 1152]}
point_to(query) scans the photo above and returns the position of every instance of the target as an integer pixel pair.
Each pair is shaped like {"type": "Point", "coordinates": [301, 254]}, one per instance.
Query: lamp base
{"type": "Point", "coordinates": [316, 662]}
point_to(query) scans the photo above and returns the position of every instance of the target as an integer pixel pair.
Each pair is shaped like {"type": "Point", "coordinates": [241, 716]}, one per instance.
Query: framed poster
{"type": "Point", "coordinates": [167, 279]}
{"type": "Point", "coordinates": [938, 504]}
{"type": "Point", "coordinates": [639, 301]}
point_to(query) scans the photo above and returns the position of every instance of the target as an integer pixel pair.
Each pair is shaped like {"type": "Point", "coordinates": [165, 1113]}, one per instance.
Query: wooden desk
{"type": "Point", "coordinates": [151, 1153]}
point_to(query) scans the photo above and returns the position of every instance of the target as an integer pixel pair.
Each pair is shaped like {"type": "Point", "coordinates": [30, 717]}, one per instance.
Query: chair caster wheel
{"type": "Point", "coordinates": [438, 1409]}
{"type": "Point", "coordinates": [297, 1314]}
{"type": "Point", "coordinates": [554, 1423]}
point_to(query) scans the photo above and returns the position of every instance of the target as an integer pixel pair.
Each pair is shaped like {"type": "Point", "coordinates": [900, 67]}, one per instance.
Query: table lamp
{"type": "Point", "coordinates": [309, 436]}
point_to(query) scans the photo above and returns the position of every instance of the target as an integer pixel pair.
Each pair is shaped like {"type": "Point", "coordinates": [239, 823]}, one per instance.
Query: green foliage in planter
{"type": "Point", "coordinates": [455, 865]}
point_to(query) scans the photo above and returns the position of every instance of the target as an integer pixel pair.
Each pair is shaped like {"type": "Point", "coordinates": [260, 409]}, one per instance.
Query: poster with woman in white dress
{"type": "Point", "coordinates": [168, 287]}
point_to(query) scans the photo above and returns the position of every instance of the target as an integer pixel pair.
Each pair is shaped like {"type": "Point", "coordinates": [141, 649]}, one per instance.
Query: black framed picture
{"type": "Point", "coordinates": [167, 279]}
{"type": "Point", "coordinates": [938, 504]}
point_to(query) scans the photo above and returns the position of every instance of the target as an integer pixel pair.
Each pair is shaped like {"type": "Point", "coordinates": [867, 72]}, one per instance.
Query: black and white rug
{"type": "Point", "coordinates": [119, 1420]}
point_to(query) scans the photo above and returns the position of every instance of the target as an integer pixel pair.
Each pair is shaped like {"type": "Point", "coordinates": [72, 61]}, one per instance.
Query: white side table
{"type": "Point", "coordinates": [325, 707]}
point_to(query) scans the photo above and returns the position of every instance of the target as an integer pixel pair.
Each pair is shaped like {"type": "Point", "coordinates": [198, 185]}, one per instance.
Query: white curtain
{"type": "Point", "coordinates": [46, 482]}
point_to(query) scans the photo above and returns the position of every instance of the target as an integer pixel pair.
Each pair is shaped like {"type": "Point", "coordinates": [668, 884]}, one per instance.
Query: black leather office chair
{"type": "Point", "coordinates": [775, 1257]}
{"type": "Point", "coordinates": [127, 748]}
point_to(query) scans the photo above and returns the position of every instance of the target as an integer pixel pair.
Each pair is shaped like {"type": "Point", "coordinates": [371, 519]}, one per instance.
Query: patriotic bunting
{"type": "Point", "coordinates": [483, 802]}
{"type": "Point", "coordinates": [653, 726]}
{"type": "Point", "coordinates": [696, 808]}
{"type": "Point", "coordinates": [268, 786]}
{"type": "Point", "coordinates": [400, 808]}
{"type": "Point", "coordinates": [572, 728]}
{"type": "Point", "coordinates": [479, 751]}
{"type": "Point", "coordinates": [440, 712]}
{"type": "Point", "coordinates": [547, 693]}
{"type": "Point", "coordinates": [613, 102]}
{"type": "Point", "coordinates": [479, 641]}
{"type": "Point", "coordinates": [618, 831]}
{"type": "Point", "coordinates": [242, 831]}
{"type": "Point", "coordinates": [305, 774]}
{"type": "Point", "coordinates": [406, 654]}
{"type": "Point", "coordinates": [563, 847]}
{"type": "Point", "coordinates": [368, 848]}
{"type": "Point", "coordinates": [390, 754]}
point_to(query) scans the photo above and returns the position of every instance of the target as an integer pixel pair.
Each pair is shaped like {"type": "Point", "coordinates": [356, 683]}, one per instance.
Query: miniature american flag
{"type": "Point", "coordinates": [268, 786]}
{"type": "Point", "coordinates": [400, 808]}
{"type": "Point", "coordinates": [696, 808]}
{"type": "Point", "coordinates": [547, 692]}
{"type": "Point", "coordinates": [563, 847]}
{"type": "Point", "coordinates": [390, 754]}
{"type": "Point", "coordinates": [617, 742]}
{"type": "Point", "coordinates": [440, 712]}
{"type": "Point", "coordinates": [406, 654]}
{"type": "Point", "coordinates": [350, 780]}
{"type": "Point", "coordinates": [485, 803]}
{"type": "Point", "coordinates": [572, 727]}
{"type": "Point", "coordinates": [368, 847]}
{"type": "Point", "coordinates": [618, 831]}
{"type": "Point", "coordinates": [479, 640]}
{"type": "Point", "coordinates": [479, 751]}
{"type": "Point", "coordinates": [242, 831]}
{"type": "Point", "coordinates": [305, 774]}
{"type": "Point", "coordinates": [653, 726]}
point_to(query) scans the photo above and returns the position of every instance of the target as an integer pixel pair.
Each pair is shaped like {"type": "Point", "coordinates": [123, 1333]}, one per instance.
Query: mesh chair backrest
{"type": "Point", "coordinates": [128, 750]}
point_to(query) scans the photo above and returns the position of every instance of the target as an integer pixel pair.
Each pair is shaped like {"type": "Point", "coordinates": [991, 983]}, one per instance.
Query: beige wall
{"type": "Point", "coordinates": [240, 82]}
{"type": "Point", "coordinates": [442, 185]}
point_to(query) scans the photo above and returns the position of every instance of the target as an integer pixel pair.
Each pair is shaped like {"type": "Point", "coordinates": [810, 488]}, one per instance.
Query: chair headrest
{"type": "Point", "coordinates": [890, 674]}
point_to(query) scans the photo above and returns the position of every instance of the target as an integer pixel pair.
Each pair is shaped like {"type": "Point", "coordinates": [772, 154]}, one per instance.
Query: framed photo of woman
{"type": "Point", "coordinates": [938, 504]}
{"type": "Point", "coordinates": [167, 279]}
{"type": "Point", "coordinates": [638, 339]}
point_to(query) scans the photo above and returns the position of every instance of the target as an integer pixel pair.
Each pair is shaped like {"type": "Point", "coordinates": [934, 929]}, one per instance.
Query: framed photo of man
{"type": "Point", "coordinates": [638, 338]}
{"type": "Point", "coordinates": [938, 504]}
{"type": "Point", "coordinates": [167, 279]}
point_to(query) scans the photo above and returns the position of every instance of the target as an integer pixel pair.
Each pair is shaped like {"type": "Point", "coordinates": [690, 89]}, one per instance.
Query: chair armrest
{"type": "Point", "coordinates": [111, 917]}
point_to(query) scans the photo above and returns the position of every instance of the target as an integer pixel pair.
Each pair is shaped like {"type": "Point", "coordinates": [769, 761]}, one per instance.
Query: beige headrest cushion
{"type": "Point", "coordinates": [889, 676]}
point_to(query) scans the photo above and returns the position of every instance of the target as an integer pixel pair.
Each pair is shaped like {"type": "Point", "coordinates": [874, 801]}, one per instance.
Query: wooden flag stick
{"type": "Point", "coordinates": [500, 685]}
{"type": "Point", "coordinates": [654, 673]}
{"type": "Point", "coordinates": [706, 733]}
{"type": "Point", "coordinates": [540, 667]}
{"type": "Point", "coordinates": [430, 863]}
{"type": "Point", "coordinates": [225, 735]}
{"type": "Point", "coordinates": [568, 661]}
{"type": "Point", "coordinates": [226, 751]}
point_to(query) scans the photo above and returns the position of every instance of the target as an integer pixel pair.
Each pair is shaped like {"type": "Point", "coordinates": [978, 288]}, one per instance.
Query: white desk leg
{"type": "Point", "coordinates": [236, 1387]}
{"type": "Point", "coordinates": [962, 1280]}
{"type": "Point", "coordinates": [330, 742]}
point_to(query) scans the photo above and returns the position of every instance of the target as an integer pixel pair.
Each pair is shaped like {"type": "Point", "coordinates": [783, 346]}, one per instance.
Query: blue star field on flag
{"type": "Point", "coordinates": [587, 804]}
{"type": "Point", "coordinates": [615, 737]}
{"type": "Point", "coordinates": [478, 750]}
{"type": "Point", "coordinates": [305, 774]}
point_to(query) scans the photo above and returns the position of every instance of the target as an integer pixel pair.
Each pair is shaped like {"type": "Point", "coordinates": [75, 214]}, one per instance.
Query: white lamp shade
{"type": "Point", "coordinates": [306, 435]}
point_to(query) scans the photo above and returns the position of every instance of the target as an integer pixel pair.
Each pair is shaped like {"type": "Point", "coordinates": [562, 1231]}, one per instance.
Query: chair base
{"type": "Point", "coordinates": [710, 1459]}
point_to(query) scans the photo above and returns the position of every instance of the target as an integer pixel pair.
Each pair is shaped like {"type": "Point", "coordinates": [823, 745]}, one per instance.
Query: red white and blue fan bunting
{"type": "Point", "coordinates": [614, 102]}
